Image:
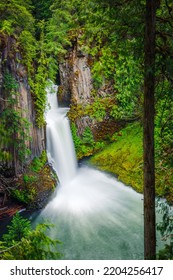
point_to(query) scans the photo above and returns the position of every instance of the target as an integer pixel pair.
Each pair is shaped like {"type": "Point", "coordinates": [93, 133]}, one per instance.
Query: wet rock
{"type": "Point", "coordinates": [41, 200]}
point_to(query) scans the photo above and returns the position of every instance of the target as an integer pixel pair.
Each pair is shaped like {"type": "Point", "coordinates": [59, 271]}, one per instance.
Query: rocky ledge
{"type": "Point", "coordinates": [30, 191]}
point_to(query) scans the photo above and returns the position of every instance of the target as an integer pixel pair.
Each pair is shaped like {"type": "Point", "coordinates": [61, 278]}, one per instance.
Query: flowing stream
{"type": "Point", "coordinates": [95, 216]}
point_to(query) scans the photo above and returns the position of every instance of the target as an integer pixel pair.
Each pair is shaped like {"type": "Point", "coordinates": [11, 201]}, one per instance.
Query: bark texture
{"type": "Point", "coordinates": [149, 172]}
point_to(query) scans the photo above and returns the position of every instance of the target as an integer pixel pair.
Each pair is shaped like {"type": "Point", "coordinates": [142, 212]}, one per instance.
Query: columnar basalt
{"type": "Point", "coordinates": [11, 62]}
{"type": "Point", "coordinates": [75, 76]}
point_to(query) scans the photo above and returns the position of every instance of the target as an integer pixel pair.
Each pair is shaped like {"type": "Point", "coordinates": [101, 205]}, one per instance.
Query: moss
{"type": "Point", "coordinates": [124, 156]}
{"type": "Point", "coordinates": [76, 111]}
{"type": "Point", "coordinates": [164, 182]}
{"type": "Point", "coordinates": [60, 93]}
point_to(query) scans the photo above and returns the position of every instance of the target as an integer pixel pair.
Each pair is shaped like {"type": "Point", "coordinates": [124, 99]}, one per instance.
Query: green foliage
{"type": "Point", "coordinates": [6, 27]}
{"type": "Point", "coordinates": [29, 46]}
{"type": "Point", "coordinates": [40, 79]}
{"type": "Point", "coordinates": [25, 196]}
{"type": "Point", "coordinates": [81, 147]}
{"type": "Point", "coordinates": [111, 33]}
{"type": "Point", "coordinates": [18, 229]}
{"type": "Point", "coordinates": [123, 157]}
{"type": "Point", "coordinates": [28, 193]}
{"type": "Point", "coordinates": [85, 144]}
{"type": "Point", "coordinates": [97, 75]}
{"type": "Point", "coordinates": [57, 38]}
{"type": "Point", "coordinates": [97, 110]}
{"type": "Point", "coordinates": [27, 190]}
{"type": "Point", "coordinates": [87, 136]}
{"type": "Point", "coordinates": [38, 163]}
{"type": "Point", "coordinates": [23, 243]}
{"type": "Point", "coordinates": [16, 127]}
{"type": "Point", "coordinates": [100, 107]}
{"type": "Point", "coordinates": [164, 123]}
{"type": "Point", "coordinates": [41, 9]}
{"type": "Point", "coordinates": [128, 80]}
{"type": "Point", "coordinates": [4, 141]}
{"type": "Point", "coordinates": [124, 71]}
{"type": "Point", "coordinates": [15, 16]}
{"type": "Point", "coordinates": [76, 139]}
{"type": "Point", "coordinates": [65, 26]}
{"type": "Point", "coordinates": [17, 21]}
{"type": "Point", "coordinates": [29, 178]}
{"type": "Point", "coordinates": [10, 84]}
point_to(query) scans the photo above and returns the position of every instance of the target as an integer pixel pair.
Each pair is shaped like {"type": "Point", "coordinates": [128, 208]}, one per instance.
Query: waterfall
{"type": "Point", "coordinates": [60, 148]}
{"type": "Point", "coordinates": [95, 215]}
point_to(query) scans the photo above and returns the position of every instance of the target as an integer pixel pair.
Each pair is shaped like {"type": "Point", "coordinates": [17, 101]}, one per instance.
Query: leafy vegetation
{"type": "Point", "coordinates": [124, 159]}
{"type": "Point", "coordinates": [85, 145]}
{"type": "Point", "coordinates": [21, 242]}
{"type": "Point", "coordinates": [16, 127]}
{"type": "Point", "coordinates": [37, 179]}
{"type": "Point", "coordinates": [111, 34]}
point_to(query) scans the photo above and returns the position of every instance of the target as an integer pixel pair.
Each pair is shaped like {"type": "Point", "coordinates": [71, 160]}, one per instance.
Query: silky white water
{"type": "Point", "coordinates": [95, 216]}
{"type": "Point", "coordinates": [60, 149]}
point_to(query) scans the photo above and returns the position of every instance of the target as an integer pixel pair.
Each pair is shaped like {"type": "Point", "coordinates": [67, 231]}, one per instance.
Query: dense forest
{"type": "Point", "coordinates": [96, 52]}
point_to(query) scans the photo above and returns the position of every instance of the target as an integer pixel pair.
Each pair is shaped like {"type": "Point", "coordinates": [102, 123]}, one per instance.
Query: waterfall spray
{"type": "Point", "coordinates": [95, 216]}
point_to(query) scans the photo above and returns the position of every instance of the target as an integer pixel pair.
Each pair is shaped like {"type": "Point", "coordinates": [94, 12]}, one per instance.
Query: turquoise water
{"type": "Point", "coordinates": [96, 217]}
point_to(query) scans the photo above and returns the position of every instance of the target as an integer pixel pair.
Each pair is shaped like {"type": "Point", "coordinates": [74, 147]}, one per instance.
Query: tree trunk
{"type": "Point", "coordinates": [148, 139]}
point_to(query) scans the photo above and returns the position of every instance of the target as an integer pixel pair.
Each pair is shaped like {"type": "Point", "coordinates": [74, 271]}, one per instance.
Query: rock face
{"type": "Point", "coordinates": [75, 77]}
{"type": "Point", "coordinates": [11, 61]}
{"type": "Point", "coordinates": [76, 84]}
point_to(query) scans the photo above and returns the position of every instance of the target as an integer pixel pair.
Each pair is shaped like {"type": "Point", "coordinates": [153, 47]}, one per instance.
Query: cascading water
{"type": "Point", "coordinates": [60, 147]}
{"type": "Point", "coordinates": [95, 216]}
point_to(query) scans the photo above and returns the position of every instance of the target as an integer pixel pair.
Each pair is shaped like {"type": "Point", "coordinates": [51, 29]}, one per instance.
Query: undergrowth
{"type": "Point", "coordinates": [37, 178]}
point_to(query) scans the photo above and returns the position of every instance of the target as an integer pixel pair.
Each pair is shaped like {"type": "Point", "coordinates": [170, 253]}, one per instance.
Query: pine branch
{"type": "Point", "coordinates": [7, 249]}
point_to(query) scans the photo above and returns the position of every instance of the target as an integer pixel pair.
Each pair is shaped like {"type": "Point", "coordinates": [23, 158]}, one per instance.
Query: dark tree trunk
{"type": "Point", "coordinates": [149, 172]}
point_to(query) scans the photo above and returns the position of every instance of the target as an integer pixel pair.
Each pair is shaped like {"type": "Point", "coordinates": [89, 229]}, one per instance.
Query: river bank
{"type": "Point", "coordinates": [124, 158]}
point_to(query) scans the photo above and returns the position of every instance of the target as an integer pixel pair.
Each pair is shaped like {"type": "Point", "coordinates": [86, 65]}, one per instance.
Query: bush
{"type": "Point", "coordinates": [23, 243]}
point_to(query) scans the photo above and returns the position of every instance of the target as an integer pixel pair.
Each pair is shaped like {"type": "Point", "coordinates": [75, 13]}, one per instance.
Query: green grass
{"type": "Point", "coordinates": [124, 157]}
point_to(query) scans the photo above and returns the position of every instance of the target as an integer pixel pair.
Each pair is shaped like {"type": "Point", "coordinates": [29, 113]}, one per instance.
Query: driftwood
{"type": "Point", "coordinates": [6, 208]}
{"type": "Point", "coordinates": [9, 211]}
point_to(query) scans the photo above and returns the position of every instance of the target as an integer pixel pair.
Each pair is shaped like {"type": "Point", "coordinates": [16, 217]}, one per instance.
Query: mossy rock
{"type": "Point", "coordinates": [34, 187]}
{"type": "Point", "coordinates": [124, 157]}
